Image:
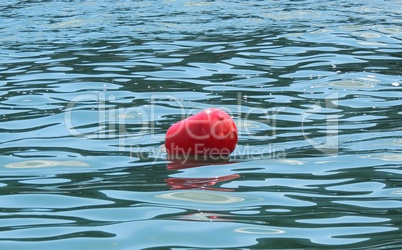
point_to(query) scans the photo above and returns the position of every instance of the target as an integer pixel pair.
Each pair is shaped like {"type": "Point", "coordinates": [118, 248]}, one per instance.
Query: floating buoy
{"type": "Point", "coordinates": [210, 133]}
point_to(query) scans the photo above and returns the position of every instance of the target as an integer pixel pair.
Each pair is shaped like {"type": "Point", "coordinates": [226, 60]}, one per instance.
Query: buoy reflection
{"type": "Point", "coordinates": [187, 161]}
{"type": "Point", "coordinates": [202, 183]}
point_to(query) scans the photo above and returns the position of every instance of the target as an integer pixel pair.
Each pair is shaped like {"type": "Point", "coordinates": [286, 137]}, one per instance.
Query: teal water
{"type": "Point", "coordinates": [89, 88]}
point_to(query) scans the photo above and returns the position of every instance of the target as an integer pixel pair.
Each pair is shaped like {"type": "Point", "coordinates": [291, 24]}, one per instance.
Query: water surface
{"type": "Point", "coordinates": [89, 88]}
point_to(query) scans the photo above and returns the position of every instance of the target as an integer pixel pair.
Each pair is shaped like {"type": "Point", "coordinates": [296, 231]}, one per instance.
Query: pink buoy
{"type": "Point", "coordinates": [210, 133]}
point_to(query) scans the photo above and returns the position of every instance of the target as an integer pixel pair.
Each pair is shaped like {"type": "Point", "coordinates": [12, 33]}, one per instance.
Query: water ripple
{"type": "Point", "coordinates": [87, 94]}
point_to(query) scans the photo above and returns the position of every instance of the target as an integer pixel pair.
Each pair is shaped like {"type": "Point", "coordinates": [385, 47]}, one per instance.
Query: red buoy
{"type": "Point", "coordinates": [210, 133]}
